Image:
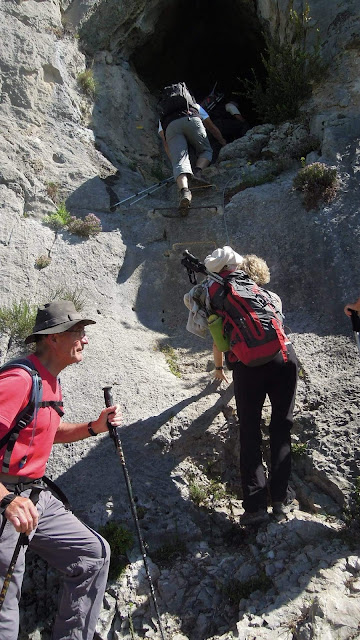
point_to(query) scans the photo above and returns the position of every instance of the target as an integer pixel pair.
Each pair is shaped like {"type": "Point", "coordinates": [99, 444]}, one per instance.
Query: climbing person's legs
{"type": "Point", "coordinates": [179, 154]}
{"type": "Point", "coordinates": [281, 389]}
{"type": "Point", "coordinates": [196, 135]}
{"type": "Point", "coordinates": [250, 392]}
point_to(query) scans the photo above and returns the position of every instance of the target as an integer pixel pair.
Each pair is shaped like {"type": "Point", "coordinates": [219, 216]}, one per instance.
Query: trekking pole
{"type": "Point", "coordinates": [153, 189]}
{"type": "Point", "coordinates": [22, 540]}
{"type": "Point", "coordinates": [113, 431]}
{"type": "Point", "coordinates": [146, 192]}
{"type": "Point", "coordinates": [355, 321]}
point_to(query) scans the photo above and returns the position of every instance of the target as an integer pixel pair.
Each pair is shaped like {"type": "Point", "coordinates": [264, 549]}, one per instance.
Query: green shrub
{"type": "Point", "coordinates": [18, 320]}
{"type": "Point", "coordinates": [89, 226]}
{"type": "Point", "coordinates": [87, 82]}
{"type": "Point", "coordinates": [75, 295]}
{"type": "Point", "coordinates": [318, 183]}
{"type": "Point", "coordinates": [298, 449]}
{"type": "Point", "coordinates": [290, 72]}
{"type": "Point", "coordinates": [197, 493]}
{"type": "Point", "coordinates": [120, 540]}
{"type": "Point", "coordinates": [59, 219]}
{"type": "Point", "coordinates": [42, 261]}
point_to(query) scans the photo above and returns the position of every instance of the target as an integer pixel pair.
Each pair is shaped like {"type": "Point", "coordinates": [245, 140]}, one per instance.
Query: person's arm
{"type": "Point", "coordinates": [212, 128]}
{"type": "Point", "coordinates": [74, 431]}
{"type": "Point", "coordinates": [355, 306]}
{"type": "Point", "coordinates": [219, 364]}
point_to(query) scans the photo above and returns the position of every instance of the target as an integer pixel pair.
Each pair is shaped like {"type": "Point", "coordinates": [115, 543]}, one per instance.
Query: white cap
{"type": "Point", "coordinates": [221, 258]}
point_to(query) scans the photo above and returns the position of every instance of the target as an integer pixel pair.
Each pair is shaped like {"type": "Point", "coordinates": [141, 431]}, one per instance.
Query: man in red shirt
{"type": "Point", "coordinates": [53, 532]}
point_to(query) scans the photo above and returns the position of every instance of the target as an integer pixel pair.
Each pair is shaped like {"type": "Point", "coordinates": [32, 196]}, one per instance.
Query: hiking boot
{"type": "Point", "coordinates": [254, 517]}
{"type": "Point", "coordinates": [185, 199]}
{"type": "Point", "coordinates": [282, 508]}
{"type": "Point", "coordinates": [196, 179]}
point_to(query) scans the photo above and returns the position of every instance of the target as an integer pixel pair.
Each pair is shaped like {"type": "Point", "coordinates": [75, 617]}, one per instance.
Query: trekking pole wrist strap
{"type": "Point", "coordinates": [6, 501]}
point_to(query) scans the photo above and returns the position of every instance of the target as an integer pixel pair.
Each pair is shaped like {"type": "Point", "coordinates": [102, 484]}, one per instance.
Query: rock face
{"type": "Point", "coordinates": [296, 578]}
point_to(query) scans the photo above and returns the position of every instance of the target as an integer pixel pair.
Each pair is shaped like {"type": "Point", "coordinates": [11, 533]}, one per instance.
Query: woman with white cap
{"type": "Point", "coordinates": [277, 379]}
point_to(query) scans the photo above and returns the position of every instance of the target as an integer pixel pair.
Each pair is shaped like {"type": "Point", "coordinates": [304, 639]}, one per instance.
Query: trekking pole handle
{"type": "Point", "coordinates": [108, 396]}
{"type": "Point", "coordinates": [109, 403]}
{"type": "Point", "coordinates": [355, 320]}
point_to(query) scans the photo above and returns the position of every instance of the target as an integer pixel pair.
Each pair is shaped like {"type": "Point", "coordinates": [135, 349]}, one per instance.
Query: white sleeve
{"type": "Point", "coordinates": [230, 108]}
{"type": "Point", "coordinates": [203, 113]}
{"type": "Point", "coordinates": [160, 127]}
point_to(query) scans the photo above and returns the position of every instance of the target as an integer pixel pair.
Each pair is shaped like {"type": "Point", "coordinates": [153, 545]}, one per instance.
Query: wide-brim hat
{"type": "Point", "coordinates": [56, 317]}
{"type": "Point", "coordinates": [221, 258]}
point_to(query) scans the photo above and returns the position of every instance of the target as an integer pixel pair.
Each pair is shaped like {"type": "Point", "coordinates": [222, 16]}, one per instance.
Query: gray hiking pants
{"type": "Point", "coordinates": [179, 134]}
{"type": "Point", "coordinates": [80, 554]}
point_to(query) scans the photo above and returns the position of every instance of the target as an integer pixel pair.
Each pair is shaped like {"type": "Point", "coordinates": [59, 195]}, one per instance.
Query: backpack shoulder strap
{"type": "Point", "coordinates": [27, 414]}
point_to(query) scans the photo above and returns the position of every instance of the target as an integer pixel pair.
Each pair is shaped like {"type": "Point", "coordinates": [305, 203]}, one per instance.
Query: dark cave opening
{"type": "Point", "coordinates": [219, 41]}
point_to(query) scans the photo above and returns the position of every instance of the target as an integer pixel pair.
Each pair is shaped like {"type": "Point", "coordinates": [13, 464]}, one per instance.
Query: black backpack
{"type": "Point", "coordinates": [176, 99]}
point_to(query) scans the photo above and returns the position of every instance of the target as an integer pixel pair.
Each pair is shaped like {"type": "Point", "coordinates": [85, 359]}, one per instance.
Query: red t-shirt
{"type": "Point", "coordinates": [15, 388]}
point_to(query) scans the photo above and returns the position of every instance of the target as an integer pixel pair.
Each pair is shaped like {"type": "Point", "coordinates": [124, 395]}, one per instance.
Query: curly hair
{"type": "Point", "coordinates": [256, 268]}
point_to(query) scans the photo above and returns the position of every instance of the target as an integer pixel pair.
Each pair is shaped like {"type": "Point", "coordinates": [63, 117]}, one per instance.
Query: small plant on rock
{"type": "Point", "coordinates": [18, 320]}
{"type": "Point", "coordinates": [234, 590]}
{"type": "Point", "coordinates": [87, 82]}
{"type": "Point", "coordinates": [318, 183]}
{"type": "Point", "coordinates": [298, 449]}
{"type": "Point", "coordinates": [120, 541]}
{"type": "Point", "coordinates": [60, 219]}
{"type": "Point", "coordinates": [171, 359]}
{"type": "Point", "coordinates": [75, 295]}
{"type": "Point", "coordinates": [170, 551]}
{"type": "Point", "coordinates": [197, 493]}
{"type": "Point", "coordinates": [42, 261]}
{"type": "Point", "coordinates": [89, 226]}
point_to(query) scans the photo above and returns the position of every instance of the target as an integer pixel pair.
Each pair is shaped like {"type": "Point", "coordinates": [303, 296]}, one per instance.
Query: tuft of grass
{"type": "Point", "coordinates": [18, 320]}
{"type": "Point", "coordinates": [318, 184]}
{"type": "Point", "coordinates": [201, 492]}
{"type": "Point", "coordinates": [120, 540]}
{"type": "Point", "coordinates": [58, 220]}
{"type": "Point", "coordinates": [87, 83]}
{"type": "Point", "coordinates": [169, 552]}
{"type": "Point", "coordinates": [291, 71]}
{"type": "Point", "coordinates": [298, 449]}
{"type": "Point", "coordinates": [42, 261]}
{"type": "Point", "coordinates": [89, 226]}
{"type": "Point", "coordinates": [197, 493]}
{"type": "Point", "coordinates": [75, 295]}
{"type": "Point", "coordinates": [234, 590]}
{"type": "Point", "coordinates": [171, 359]}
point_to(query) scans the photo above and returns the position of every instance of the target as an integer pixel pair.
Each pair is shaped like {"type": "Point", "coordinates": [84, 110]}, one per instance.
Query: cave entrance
{"type": "Point", "coordinates": [203, 43]}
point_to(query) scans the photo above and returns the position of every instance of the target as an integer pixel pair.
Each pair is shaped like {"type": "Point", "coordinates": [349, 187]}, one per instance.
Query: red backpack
{"type": "Point", "coordinates": [250, 319]}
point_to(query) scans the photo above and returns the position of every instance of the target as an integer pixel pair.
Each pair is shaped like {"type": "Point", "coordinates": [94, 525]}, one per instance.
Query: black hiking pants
{"type": "Point", "coordinates": [277, 379]}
